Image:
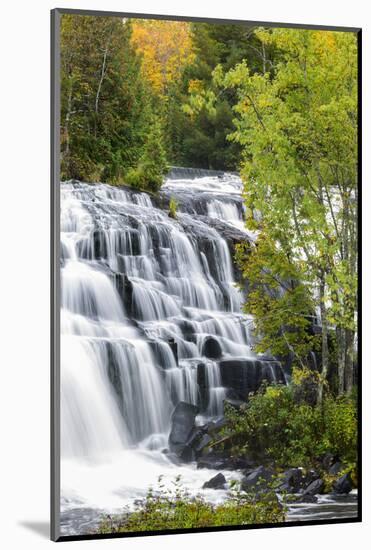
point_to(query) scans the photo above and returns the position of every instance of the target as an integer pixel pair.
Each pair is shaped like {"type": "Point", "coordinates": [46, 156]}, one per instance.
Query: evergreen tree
{"type": "Point", "coordinates": [152, 165]}
{"type": "Point", "coordinates": [104, 102]}
{"type": "Point", "coordinates": [204, 132]}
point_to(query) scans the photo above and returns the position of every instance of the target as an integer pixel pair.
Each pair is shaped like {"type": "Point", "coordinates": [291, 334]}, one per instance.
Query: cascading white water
{"type": "Point", "coordinates": [140, 296]}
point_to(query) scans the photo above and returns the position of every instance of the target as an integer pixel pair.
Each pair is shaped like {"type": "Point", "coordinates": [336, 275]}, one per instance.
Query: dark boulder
{"type": "Point", "coordinates": [292, 481]}
{"type": "Point", "coordinates": [182, 426]}
{"type": "Point", "coordinates": [257, 480]}
{"type": "Point", "coordinates": [336, 469]}
{"type": "Point", "coordinates": [309, 476]}
{"type": "Point", "coordinates": [216, 482]}
{"type": "Point", "coordinates": [343, 485]}
{"type": "Point", "coordinates": [315, 488]}
{"type": "Point", "coordinates": [211, 348]}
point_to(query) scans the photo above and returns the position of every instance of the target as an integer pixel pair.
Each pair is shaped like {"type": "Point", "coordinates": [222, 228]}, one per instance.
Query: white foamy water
{"type": "Point", "coordinates": [136, 284]}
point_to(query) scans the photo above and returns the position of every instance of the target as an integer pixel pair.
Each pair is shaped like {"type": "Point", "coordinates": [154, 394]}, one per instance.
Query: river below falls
{"type": "Point", "coordinates": [94, 490]}
{"type": "Point", "coordinates": [82, 521]}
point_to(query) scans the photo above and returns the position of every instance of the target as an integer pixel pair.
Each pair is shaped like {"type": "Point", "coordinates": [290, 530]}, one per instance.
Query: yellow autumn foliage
{"type": "Point", "coordinates": [165, 46]}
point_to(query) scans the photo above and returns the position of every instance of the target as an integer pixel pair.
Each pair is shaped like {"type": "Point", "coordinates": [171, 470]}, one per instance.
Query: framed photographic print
{"type": "Point", "coordinates": [205, 286]}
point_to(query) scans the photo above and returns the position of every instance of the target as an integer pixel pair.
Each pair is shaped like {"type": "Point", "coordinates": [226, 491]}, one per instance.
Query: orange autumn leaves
{"type": "Point", "coordinates": [166, 47]}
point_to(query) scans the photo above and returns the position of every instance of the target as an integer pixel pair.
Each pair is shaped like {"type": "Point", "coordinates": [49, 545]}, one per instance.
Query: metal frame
{"type": "Point", "coordinates": [55, 273]}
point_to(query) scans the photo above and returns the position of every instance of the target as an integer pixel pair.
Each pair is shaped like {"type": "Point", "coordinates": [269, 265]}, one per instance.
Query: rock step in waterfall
{"type": "Point", "coordinates": [151, 315]}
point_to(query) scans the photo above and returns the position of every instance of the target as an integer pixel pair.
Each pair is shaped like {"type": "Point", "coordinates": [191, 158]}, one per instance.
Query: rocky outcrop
{"type": "Point", "coordinates": [245, 375]}
{"type": "Point", "coordinates": [216, 482]}
{"type": "Point", "coordinates": [211, 348]}
{"type": "Point", "coordinates": [258, 480]}
{"type": "Point", "coordinates": [315, 488]}
{"type": "Point", "coordinates": [343, 485]}
{"type": "Point", "coordinates": [292, 481]}
{"type": "Point", "coordinates": [182, 426]}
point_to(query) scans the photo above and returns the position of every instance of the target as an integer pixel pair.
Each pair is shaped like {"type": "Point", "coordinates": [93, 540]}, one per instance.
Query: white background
{"type": "Point", "coordinates": [24, 287]}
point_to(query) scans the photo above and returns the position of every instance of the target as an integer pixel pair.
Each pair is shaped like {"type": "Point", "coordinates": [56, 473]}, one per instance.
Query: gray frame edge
{"type": "Point", "coordinates": [55, 267]}
{"type": "Point", "coordinates": [55, 278]}
{"type": "Point", "coordinates": [308, 26]}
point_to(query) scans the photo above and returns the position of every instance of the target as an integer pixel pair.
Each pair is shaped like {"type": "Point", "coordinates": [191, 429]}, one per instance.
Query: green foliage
{"type": "Point", "coordinates": [340, 418]}
{"type": "Point", "coordinates": [277, 426]}
{"type": "Point", "coordinates": [298, 130]}
{"type": "Point", "coordinates": [152, 166]}
{"type": "Point", "coordinates": [281, 304]}
{"type": "Point", "coordinates": [105, 104]}
{"type": "Point", "coordinates": [198, 125]}
{"type": "Point", "coordinates": [173, 205]}
{"type": "Point", "coordinates": [175, 508]}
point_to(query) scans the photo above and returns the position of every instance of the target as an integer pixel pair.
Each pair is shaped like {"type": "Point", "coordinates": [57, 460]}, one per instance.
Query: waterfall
{"type": "Point", "coordinates": [146, 300]}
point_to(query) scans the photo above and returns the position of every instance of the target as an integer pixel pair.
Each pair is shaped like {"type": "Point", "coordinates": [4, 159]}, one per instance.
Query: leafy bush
{"type": "Point", "coordinates": [173, 205]}
{"type": "Point", "coordinates": [273, 425]}
{"type": "Point", "coordinates": [152, 166]}
{"type": "Point", "coordinates": [135, 178]}
{"type": "Point", "coordinates": [340, 423]}
{"type": "Point", "coordinates": [176, 509]}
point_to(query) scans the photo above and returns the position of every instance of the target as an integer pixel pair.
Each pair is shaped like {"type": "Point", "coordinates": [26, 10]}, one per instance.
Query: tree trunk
{"type": "Point", "coordinates": [340, 334]}
{"type": "Point", "coordinates": [102, 74]}
{"type": "Point", "coordinates": [325, 354]}
{"type": "Point", "coordinates": [349, 362]}
{"type": "Point", "coordinates": [264, 59]}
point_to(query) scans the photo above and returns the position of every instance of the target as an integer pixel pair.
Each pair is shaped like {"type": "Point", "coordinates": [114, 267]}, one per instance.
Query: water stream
{"type": "Point", "coordinates": [142, 295]}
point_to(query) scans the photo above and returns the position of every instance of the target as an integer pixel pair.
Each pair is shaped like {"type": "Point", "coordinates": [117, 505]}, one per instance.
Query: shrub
{"type": "Point", "coordinates": [176, 509]}
{"type": "Point", "coordinates": [135, 178]}
{"type": "Point", "coordinates": [173, 206]}
{"type": "Point", "coordinates": [274, 426]}
{"type": "Point", "coordinates": [152, 166]}
{"type": "Point", "coordinates": [340, 428]}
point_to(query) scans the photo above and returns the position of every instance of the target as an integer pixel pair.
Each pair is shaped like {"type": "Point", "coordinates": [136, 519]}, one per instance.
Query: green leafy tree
{"type": "Point", "coordinates": [281, 303]}
{"type": "Point", "coordinates": [298, 129]}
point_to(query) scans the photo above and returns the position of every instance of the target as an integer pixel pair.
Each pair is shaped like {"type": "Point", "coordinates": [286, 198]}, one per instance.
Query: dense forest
{"type": "Point", "coordinates": [278, 106]}
{"type": "Point", "coordinates": [128, 84]}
